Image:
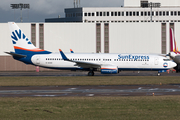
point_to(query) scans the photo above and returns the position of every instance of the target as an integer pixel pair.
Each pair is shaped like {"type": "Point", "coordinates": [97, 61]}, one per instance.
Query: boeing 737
{"type": "Point", "coordinates": [106, 63]}
{"type": "Point", "coordinates": [174, 53]}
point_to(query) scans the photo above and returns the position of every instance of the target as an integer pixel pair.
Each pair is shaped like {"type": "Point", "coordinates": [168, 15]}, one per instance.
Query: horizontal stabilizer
{"type": "Point", "coordinates": [16, 55]}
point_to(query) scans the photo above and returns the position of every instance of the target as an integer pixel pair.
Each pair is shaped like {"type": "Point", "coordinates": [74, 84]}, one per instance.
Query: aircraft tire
{"type": "Point", "coordinates": [90, 73]}
{"type": "Point", "coordinates": [158, 74]}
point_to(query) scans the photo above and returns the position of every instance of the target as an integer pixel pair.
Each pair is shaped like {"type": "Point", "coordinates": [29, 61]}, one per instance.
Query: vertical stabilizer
{"type": "Point", "coordinates": [19, 39]}
{"type": "Point", "coordinates": [173, 46]}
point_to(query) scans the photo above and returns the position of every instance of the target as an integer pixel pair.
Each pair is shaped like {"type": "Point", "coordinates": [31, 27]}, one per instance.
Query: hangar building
{"type": "Point", "coordinates": [105, 30]}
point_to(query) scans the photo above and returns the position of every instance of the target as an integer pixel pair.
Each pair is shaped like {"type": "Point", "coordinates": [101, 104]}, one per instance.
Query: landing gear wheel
{"type": "Point", "coordinates": [90, 73]}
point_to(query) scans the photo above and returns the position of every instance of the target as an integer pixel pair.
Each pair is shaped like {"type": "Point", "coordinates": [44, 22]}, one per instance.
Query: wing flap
{"type": "Point", "coordinates": [86, 64]}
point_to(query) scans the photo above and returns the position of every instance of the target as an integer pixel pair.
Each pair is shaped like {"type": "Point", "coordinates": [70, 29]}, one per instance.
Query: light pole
{"type": "Point", "coordinates": [155, 5]}
{"type": "Point", "coordinates": [21, 6]}
{"type": "Point", "coordinates": [151, 5]}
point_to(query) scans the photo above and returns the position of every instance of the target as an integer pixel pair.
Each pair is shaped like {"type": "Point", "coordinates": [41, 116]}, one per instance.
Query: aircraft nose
{"type": "Point", "coordinates": [173, 64]}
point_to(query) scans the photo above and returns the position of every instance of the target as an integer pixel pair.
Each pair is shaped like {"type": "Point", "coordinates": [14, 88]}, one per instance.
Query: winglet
{"type": "Point", "coordinates": [71, 51]}
{"type": "Point", "coordinates": [63, 55]}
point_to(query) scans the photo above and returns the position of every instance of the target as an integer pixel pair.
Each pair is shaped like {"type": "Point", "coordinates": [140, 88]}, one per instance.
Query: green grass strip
{"type": "Point", "coordinates": [91, 108]}
{"type": "Point", "coordinates": [84, 80]}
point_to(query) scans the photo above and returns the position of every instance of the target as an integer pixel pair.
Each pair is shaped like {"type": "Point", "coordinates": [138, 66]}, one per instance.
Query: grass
{"type": "Point", "coordinates": [84, 80]}
{"type": "Point", "coordinates": [91, 108]}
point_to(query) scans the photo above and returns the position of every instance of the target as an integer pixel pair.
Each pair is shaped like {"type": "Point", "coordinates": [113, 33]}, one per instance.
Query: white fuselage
{"type": "Point", "coordinates": [122, 61]}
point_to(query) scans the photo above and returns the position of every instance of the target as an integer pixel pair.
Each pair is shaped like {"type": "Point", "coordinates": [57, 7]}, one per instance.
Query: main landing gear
{"type": "Point", "coordinates": [90, 73]}
{"type": "Point", "coordinates": [158, 74]}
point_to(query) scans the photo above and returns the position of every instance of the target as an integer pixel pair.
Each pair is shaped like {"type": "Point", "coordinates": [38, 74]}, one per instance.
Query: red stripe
{"type": "Point", "coordinates": [171, 41]}
{"type": "Point", "coordinates": [34, 50]}
{"type": "Point", "coordinates": [175, 44]}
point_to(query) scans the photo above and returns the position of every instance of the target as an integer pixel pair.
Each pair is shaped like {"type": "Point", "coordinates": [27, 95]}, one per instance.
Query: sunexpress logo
{"type": "Point", "coordinates": [165, 65]}
{"type": "Point", "coordinates": [16, 36]}
{"type": "Point", "coordinates": [135, 57]}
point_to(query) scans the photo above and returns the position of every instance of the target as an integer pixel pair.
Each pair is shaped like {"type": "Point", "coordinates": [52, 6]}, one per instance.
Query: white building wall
{"type": "Point", "coordinates": [81, 37]}
{"type": "Point", "coordinates": [167, 38]}
{"type": "Point", "coordinates": [5, 39]}
{"type": "Point", "coordinates": [5, 36]}
{"type": "Point", "coordinates": [135, 38]}
{"type": "Point", "coordinates": [77, 36]}
{"type": "Point", "coordinates": [164, 3]}
{"type": "Point", "coordinates": [136, 18]}
{"type": "Point", "coordinates": [131, 3]}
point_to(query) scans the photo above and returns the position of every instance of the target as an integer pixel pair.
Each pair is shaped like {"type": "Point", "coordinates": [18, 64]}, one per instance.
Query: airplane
{"type": "Point", "coordinates": [174, 53]}
{"type": "Point", "coordinates": [106, 63]}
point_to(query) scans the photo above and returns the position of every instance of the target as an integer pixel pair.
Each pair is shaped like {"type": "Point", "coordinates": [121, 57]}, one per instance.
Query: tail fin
{"type": "Point", "coordinates": [20, 42]}
{"type": "Point", "coordinates": [173, 46]}
{"type": "Point", "coordinates": [71, 51]}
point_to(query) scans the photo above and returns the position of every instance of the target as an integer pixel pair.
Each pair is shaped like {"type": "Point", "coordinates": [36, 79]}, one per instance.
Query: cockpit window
{"type": "Point", "coordinates": [166, 59]}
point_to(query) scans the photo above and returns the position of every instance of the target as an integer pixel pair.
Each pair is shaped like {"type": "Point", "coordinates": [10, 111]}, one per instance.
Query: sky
{"type": "Point", "coordinates": [42, 9]}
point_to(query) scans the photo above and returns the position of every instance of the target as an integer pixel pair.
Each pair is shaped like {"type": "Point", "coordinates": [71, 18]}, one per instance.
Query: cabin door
{"type": "Point", "coordinates": [156, 61]}
{"type": "Point", "coordinates": [37, 59]}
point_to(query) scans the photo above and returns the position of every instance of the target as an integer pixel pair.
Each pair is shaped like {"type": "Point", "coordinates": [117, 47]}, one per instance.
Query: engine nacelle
{"type": "Point", "coordinates": [109, 70]}
{"type": "Point", "coordinates": [172, 54]}
{"type": "Point", "coordinates": [177, 68]}
{"type": "Point", "coordinates": [177, 59]}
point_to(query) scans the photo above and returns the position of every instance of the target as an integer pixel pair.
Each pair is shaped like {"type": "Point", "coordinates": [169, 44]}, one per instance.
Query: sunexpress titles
{"type": "Point", "coordinates": [135, 57]}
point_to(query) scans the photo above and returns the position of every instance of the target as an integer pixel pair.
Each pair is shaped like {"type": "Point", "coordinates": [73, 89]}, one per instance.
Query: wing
{"type": "Point", "coordinates": [80, 63]}
{"type": "Point", "coordinates": [86, 64]}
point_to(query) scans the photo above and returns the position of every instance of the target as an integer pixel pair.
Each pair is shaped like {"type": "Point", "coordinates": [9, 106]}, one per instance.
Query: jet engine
{"type": "Point", "coordinates": [109, 70]}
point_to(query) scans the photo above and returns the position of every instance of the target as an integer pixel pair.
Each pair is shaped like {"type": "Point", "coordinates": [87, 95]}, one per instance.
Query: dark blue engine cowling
{"type": "Point", "coordinates": [109, 70]}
